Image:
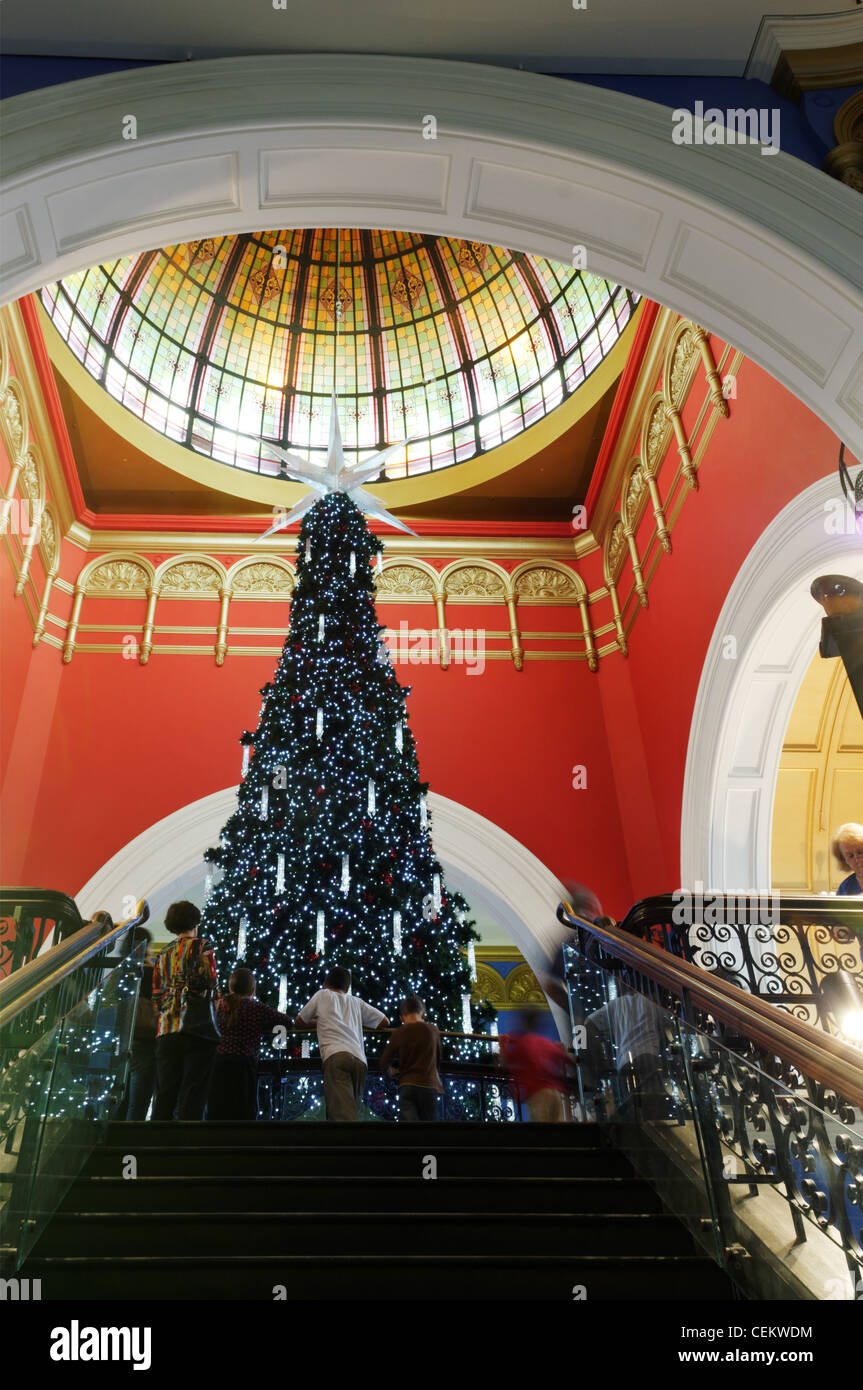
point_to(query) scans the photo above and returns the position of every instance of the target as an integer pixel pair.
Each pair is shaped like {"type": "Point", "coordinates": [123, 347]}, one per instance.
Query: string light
{"type": "Point", "coordinates": [326, 831]}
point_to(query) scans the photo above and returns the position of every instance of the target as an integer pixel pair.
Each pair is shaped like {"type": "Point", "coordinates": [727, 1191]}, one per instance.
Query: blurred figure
{"type": "Point", "coordinates": [847, 850]}
{"type": "Point", "coordinates": [241, 1019]}
{"type": "Point", "coordinates": [539, 1067]}
{"type": "Point", "coordinates": [584, 903]}
{"type": "Point", "coordinates": [417, 1046]}
{"type": "Point", "coordinates": [637, 1028]}
{"type": "Point", "coordinates": [142, 1065]}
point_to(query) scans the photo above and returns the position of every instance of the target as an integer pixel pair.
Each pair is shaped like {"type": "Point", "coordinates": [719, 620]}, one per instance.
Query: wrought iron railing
{"type": "Point", "coordinates": [32, 919]}
{"type": "Point", "coordinates": [473, 1092]}
{"type": "Point", "coordinates": [728, 1098]}
{"type": "Point", "coordinates": [43, 989]}
{"type": "Point", "coordinates": [785, 948]}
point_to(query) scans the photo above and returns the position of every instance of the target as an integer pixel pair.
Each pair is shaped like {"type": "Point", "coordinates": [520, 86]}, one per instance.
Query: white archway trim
{"type": "Point", "coordinates": [743, 706]}
{"type": "Point", "coordinates": [481, 860]}
{"type": "Point", "coordinates": [763, 249]}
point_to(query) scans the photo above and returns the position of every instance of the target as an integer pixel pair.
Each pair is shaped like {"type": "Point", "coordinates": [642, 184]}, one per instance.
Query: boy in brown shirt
{"type": "Point", "coordinates": [418, 1048]}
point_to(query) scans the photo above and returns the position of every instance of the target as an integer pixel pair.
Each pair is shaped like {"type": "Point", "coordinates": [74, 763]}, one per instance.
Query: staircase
{"type": "Point", "coordinates": [343, 1212]}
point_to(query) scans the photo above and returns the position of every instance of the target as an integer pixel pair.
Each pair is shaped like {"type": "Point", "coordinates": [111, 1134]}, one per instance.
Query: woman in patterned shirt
{"type": "Point", "coordinates": [184, 1061]}
{"type": "Point", "coordinates": [242, 1019]}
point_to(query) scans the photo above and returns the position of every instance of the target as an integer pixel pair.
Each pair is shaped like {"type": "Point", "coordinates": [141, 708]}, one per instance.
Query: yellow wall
{"type": "Point", "coordinates": [820, 782]}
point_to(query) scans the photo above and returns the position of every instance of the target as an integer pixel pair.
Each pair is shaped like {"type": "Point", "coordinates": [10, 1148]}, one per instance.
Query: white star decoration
{"type": "Point", "coordinates": [335, 477]}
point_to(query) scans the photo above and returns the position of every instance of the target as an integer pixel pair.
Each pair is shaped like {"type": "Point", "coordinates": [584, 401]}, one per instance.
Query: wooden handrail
{"type": "Point", "coordinates": [23, 988]}
{"type": "Point", "coordinates": [816, 1054]}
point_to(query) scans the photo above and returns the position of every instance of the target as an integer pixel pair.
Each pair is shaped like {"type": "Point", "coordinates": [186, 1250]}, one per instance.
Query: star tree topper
{"type": "Point", "coordinates": [335, 477]}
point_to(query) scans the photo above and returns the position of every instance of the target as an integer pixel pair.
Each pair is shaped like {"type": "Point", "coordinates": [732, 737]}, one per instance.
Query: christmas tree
{"type": "Point", "coordinates": [328, 859]}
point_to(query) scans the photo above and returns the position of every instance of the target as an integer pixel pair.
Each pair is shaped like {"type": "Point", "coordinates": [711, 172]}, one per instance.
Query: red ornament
{"type": "Point", "coordinates": [320, 791]}
{"type": "Point", "coordinates": [253, 873]}
{"type": "Point", "coordinates": [388, 878]}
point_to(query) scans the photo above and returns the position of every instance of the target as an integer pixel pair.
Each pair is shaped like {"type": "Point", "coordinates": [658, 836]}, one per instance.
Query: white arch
{"type": "Point", "coordinates": [763, 249]}
{"type": "Point", "coordinates": [481, 860]}
{"type": "Point", "coordinates": [743, 706]}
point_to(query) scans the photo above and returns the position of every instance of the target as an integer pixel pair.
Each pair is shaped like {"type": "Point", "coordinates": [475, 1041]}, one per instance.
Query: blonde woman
{"type": "Point", "coordinates": [847, 849]}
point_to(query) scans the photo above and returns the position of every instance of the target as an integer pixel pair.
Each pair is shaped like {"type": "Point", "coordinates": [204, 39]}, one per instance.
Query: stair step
{"type": "Point", "coordinates": [296, 1134]}
{"type": "Point", "coordinates": [404, 1278]}
{"type": "Point", "coordinates": [347, 1160]}
{"type": "Point", "coordinates": [289, 1233]}
{"type": "Point", "coordinates": [486, 1192]}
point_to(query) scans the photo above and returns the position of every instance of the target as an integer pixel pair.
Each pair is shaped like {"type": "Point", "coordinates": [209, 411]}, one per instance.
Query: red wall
{"type": "Point", "coordinates": [769, 449]}
{"type": "Point", "coordinates": [104, 747]}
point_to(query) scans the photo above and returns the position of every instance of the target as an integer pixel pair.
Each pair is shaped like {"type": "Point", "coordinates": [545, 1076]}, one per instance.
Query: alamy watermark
{"type": "Point", "coordinates": [419, 646]}
{"type": "Point", "coordinates": [735, 126]}
{"type": "Point", "coordinates": [728, 909]}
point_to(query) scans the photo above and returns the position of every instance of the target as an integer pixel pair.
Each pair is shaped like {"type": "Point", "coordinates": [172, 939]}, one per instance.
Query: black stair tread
{"type": "Point", "coordinates": [371, 1216]}
{"type": "Point", "coordinates": [483, 1179]}
{"type": "Point", "coordinates": [328, 1148]}
{"type": "Point", "coordinates": [491, 1258]}
{"type": "Point", "coordinates": [203, 1133]}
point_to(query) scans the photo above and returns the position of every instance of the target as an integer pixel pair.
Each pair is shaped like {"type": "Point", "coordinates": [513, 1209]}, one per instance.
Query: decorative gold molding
{"type": "Point", "coordinates": [845, 160]}
{"type": "Point", "coordinates": [115, 565]}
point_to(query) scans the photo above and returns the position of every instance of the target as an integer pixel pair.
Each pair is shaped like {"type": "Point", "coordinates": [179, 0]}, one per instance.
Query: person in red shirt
{"type": "Point", "coordinates": [539, 1067]}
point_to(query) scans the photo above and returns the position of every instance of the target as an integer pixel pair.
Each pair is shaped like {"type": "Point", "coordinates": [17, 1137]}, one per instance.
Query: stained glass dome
{"type": "Point", "coordinates": [225, 342]}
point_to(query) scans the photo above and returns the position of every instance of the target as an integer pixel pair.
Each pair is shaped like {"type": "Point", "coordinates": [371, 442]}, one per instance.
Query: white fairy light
{"type": "Point", "coordinates": [467, 1021]}
{"type": "Point", "coordinates": [397, 933]}
{"type": "Point", "coordinates": [319, 938]}
{"type": "Point", "coordinates": [346, 872]}
{"type": "Point", "coordinates": [280, 874]}
{"type": "Point", "coordinates": [471, 959]}
{"type": "Point", "coordinates": [319, 723]}
{"type": "Point", "coordinates": [265, 801]}
{"type": "Point", "coordinates": [371, 796]}
{"type": "Point", "coordinates": [241, 937]}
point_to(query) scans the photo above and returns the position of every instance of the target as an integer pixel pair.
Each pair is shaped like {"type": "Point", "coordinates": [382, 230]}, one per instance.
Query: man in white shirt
{"type": "Point", "coordinates": [340, 1018]}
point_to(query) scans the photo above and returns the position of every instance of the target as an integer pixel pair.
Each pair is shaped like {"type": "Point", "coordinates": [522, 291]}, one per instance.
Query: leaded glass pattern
{"type": "Point", "coordinates": [226, 342]}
